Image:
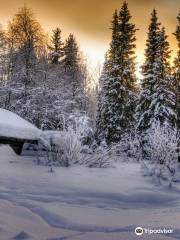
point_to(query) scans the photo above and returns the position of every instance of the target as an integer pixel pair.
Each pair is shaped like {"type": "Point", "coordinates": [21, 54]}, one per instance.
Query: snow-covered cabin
{"type": "Point", "coordinates": [15, 131]}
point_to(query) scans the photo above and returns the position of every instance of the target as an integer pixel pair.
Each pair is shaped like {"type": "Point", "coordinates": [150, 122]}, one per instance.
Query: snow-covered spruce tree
{"type": "Point", "coordinates": [56, 48]}
{"type": "Point", "coordinates": [157, 99]}
{"type": "Point", "coordinates": [177, 73]}
{"type": "Point", "coordinates": [147, 83]}
{"type": "Point", "coordinates": [118, 80]}
{"type": "Point", "coordinates": [162, 107]}
{"type": "Point", "coordinates": [101, 118]}
{"type": "Point", "coordinates": [72, 63]}
{"type": "Point", "coordinates": [75, 74]}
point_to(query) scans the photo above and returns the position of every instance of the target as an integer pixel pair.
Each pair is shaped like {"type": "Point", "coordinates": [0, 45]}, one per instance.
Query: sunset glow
{"type": "Point", "coordinates": [90, 21]}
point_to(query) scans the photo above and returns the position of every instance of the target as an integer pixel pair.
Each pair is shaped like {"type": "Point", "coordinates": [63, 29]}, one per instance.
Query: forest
{"type": "Point", "coordinates": [47, 81]}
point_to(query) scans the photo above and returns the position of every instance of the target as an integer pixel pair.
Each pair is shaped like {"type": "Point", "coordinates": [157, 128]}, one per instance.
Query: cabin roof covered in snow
{"type": "Point", "coordinates": [12, 125]}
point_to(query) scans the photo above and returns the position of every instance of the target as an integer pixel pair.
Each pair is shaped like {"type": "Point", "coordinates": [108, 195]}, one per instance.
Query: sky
{"type": "Point", "coordinates": [90, 20]}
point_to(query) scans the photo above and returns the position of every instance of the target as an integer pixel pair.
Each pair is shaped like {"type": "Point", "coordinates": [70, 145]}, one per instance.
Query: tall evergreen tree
{"type": "Point", "coordinates": [177, 82]}
{"type": "Point", "coordinates": [147, 83]}
{"type": "Point", "coordinates": [72, 62]}
{"type": "Point", "coordinates": [157, 99]}
{"type": "Point", "coordinates": [56, 49]}
{"type": "Point", "coordinates": [103, 116]}
{"type": "Point", "coordinates": [118, 80]}
{"type": "Point", "coordinates": [177, 73]}
{"type": "Point", "coordinates": [162, 108]}
{"type": "Point", "coordinates": [101, 119]}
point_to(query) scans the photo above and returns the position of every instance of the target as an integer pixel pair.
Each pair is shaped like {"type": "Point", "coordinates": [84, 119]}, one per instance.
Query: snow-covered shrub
{"type": "Point", "coordinates": [86, 149]}
{"type": "Point", "coordinates": [81, 124]}
{"type": "Point", "coordinates": [162, 172]}
{"type": "Point", "coordinates": [64, 148]}
{"type": "Point", "coordinates": [101, 158]}
{"type": "Point", "coordinates": [162, 142]}
{"type": "Point", "coordinates": [60, 148]}
{"type": "Point", "coordinates": [162, 145]}
{"type": "Point", "coordinates": [68, 146]}
{"type": "Point", "coordinates": [128, 147]}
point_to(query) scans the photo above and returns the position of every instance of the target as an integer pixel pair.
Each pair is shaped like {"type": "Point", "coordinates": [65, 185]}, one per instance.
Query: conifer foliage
{"type": "Point", "coordinates": [157, 100]}
{"type": "Point", "coordinates": [177, 82]}
{"type": "Point", "coordinates": [71, 61]}
{"type": "Point", "coordinates": [148, 74]}
{"type": "Point", "coordinates": [156, 106]}
{"type": "Point", "coordinates": [56, 49]}
{"type": "Point", "coordinates": [177, 72]}
{"type": "Point", "coordinates": [117, 96]}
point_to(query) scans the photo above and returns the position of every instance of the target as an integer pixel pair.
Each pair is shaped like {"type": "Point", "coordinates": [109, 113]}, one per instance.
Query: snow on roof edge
{"type": "Point", "coordinates": [12, 125]}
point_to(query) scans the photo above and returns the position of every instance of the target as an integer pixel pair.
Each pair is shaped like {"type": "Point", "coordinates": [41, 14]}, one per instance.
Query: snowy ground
{"type": "Point", "coordinates": [82, 204]}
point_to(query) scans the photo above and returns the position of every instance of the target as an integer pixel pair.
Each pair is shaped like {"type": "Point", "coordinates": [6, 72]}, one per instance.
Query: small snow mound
{"type": "Point", "coordinates": [21, 236]}
{"type": "Point", "coordinates": [12, 125]}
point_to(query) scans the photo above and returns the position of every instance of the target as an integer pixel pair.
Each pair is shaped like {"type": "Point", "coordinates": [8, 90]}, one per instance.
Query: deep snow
{"type": "Point", "coordinates": [80, 203]}
{"type": "Point", "coordinates": [12, 125]}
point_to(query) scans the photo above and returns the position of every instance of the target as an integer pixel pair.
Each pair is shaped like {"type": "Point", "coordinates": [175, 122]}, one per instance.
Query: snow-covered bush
{"type": "Point", "coordinates": [81, 124]}
{"type": "Point", "coordinates": [68, 146]}
{"type": "Point", "coordinates": [162, 145]}
{"type": "Point", "coordinates": [63, 147]}
{"type": "Point", "coordinates": [127, 148]}
{"type": "Point", "coordinates": [101, 158]}
{"type": "Point", "coordinates": [162, 172]}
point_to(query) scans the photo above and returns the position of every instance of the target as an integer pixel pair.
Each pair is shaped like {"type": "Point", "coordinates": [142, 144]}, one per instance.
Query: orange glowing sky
{"type": "Point", "coordinates": [90, 20]}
